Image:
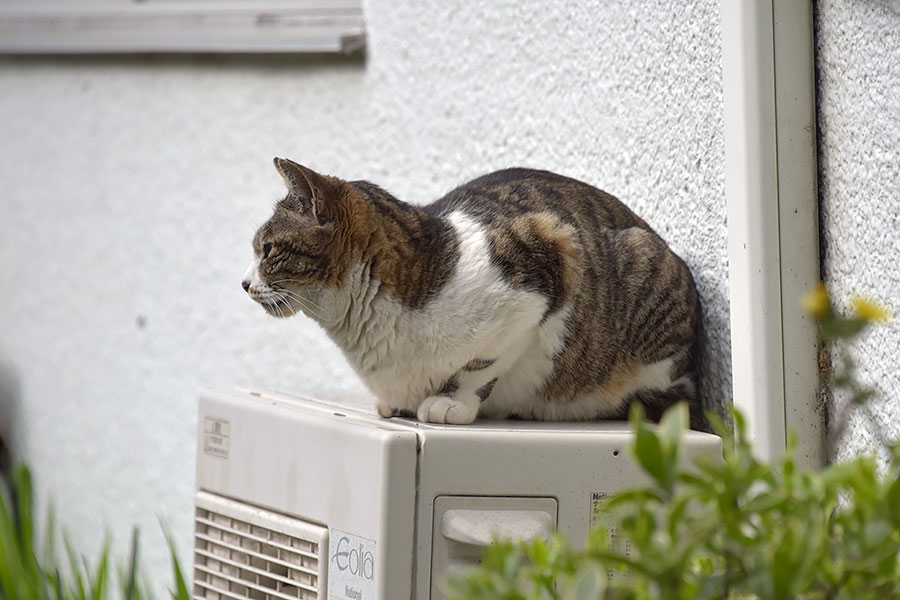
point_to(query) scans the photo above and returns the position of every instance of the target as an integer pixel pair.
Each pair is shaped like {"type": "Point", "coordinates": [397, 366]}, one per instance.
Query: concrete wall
{"type": "Point", "coordinates": [132, 187]}
{"type": "Point", "coordinates": [858, 61]}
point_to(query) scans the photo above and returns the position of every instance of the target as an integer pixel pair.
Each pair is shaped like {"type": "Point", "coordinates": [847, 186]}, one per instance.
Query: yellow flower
{"type": "Point", "coordinates": [816, 302]}
{"type": "Point", "coordinates": [869, 310]}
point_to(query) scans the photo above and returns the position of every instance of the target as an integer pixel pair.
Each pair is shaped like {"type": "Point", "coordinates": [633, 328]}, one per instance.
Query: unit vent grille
{"type": "Point", "coordinates": [243, 552]}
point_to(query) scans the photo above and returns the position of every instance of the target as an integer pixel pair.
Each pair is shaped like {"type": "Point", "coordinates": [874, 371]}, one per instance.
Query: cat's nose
{"type": "Point", "coordinates": [246, 285]}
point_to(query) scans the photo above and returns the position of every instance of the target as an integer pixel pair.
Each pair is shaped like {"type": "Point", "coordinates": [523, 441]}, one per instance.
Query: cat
{"type": "Point", "coordinates": [521, 294]}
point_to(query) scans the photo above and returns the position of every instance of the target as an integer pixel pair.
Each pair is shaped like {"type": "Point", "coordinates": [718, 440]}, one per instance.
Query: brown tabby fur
{"type": "Point", "coordinates": [633, 301]}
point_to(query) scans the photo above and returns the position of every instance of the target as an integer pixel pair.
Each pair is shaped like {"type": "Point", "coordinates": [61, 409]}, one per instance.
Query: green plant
{"type": "Point", "coordinates": [27, 572]}
{"type": "Point", "coordinates": [839, 366]}
{"type": "Point", "coordinates": [735, 528]}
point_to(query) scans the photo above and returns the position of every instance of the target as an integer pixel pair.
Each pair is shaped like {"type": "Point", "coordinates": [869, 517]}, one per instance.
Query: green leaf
{"type": "Point", "coordinates": [24, 505]}
{"type": "Point", "coordinates": [721, 429]}
{"type": "Point", "coordinates": [589, 584]}
{"type": "Point", "coordinates": [180, 592]}
{"type": "Point", "coordinates": [537, 552]}
{"type": "Point", "coordinates": [649, 452]}
{"type": "Point", "coordinates": [598, 539]}
{"type": "Point", "coordinates": [677, 514]}
{"type": "Point", "coordinates": [49, 553]}
{"type": "Point", "coordinates": [673, 423]}
{"type": "Point", "coordinates": [131, 588]}
{"type": "Point", "coordinates": [842, 474]}
{"type": "Point", "coordinates": [783, 566]}
{"type": "Point", "coordinates": [98, 584]}
{"type": "Point", "coordinates": [893, 502]}
{"type": "Point", "coordinates": [875, 532]}
{"type": "Point", "coordinates": [16, 574]}
{"type": "Point", "coordinates": [77, 588]}
{"type": "Point", "coordinates": [628, 498]}
{"type": "Point", "coordinates": [842, 328]}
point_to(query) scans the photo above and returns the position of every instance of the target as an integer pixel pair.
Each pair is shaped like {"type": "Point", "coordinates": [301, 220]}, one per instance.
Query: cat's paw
{"type": "Point", "coordinates": [442, 409]}
{"type": "Point", "coordinates": [387, 411]}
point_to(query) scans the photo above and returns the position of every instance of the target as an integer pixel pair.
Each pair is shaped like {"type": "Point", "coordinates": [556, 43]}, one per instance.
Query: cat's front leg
{"type": "Point", "coordinates": [435, 409]}
{"type": "Point", "coordinates": [459, 410]}
{"type": "Point", "coordinates": [458, 400]}
{"type": "Point", "coordinates": [385, 410]}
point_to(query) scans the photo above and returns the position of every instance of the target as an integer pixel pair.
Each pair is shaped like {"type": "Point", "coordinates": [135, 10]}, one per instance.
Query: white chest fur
{"type": "Point", "coordinates": [403, 355]}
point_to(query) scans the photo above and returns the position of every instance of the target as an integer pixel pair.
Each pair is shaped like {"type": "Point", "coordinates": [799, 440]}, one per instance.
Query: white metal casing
{"type": "Point", "coordinates": [374, 483]}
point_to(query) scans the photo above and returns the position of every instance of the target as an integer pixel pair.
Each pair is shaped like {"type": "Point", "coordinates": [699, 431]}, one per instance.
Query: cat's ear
{"type": "Point", "coordinates": [294, 178]}
{"type": "Point", "coordinates": [307, 186]}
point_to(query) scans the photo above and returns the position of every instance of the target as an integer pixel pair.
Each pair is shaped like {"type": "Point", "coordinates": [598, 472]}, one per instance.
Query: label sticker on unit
{"type": "Point", "coordinates": [596, 502]}
{"type": "Point", "coordinates": [615, 545]}
{"type": "Point", "coordinates": [351, 567]}
{"type": "Point", "coordinates": [215, 437]}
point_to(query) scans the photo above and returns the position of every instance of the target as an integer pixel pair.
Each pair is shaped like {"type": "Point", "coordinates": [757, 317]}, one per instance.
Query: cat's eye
{"type": "Point", "coordinates": [267, 248]}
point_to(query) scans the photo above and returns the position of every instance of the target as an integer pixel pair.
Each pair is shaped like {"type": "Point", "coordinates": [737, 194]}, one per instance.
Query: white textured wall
{"type": "Point", "coordinates": [132, 186]}
{"type": "Point", "coordinates": [858, 61]}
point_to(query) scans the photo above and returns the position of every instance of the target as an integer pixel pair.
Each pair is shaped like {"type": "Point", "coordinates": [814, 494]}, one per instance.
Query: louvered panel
{"type": "Point", "coordinates": [244, 552]}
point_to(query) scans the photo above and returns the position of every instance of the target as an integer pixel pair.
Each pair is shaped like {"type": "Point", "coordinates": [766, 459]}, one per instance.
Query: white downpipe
{"type": "Point", "coordinates": [751, 191]}
{"type": "Point", "coordinates": [770, 188]}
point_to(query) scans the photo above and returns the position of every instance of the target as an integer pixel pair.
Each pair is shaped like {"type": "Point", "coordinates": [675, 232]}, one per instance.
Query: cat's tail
{"type": "Point", "coordinates": [684, 387]}
{"type": "Point", "coordinates": [697, 359]}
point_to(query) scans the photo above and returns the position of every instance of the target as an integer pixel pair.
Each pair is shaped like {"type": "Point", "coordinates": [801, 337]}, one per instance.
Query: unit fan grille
{"type": "Point", "coordinates": [242, 552]}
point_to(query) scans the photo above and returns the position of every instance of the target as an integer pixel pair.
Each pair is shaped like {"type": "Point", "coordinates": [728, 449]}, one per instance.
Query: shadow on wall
{"type": "Point", "coordinates": [10, 416]}
{"type": "Point", "coordinates": [252, 63]}
{"type": "Point", "coordinates": [715, 352]}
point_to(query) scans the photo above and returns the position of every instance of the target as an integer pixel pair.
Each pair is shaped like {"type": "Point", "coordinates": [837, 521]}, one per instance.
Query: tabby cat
{"type": "Point", "coordinates": [520, 294]}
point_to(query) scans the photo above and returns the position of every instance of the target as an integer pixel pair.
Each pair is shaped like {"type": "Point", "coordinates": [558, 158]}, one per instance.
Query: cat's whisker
{"type": "Point", "coordinates": [304, 301]}
{"type": "Point", "coordinates": [287, 302]}
{"type": "Point", "coordinates": [278, 308]}
{"type": "Point", "coordinates": [292, 293]}
{"type": "Point", "coordinates": [274, 283]}
{"type": "Point", "coordinates": [303, 298]}
{"type": "Point", "coordinates": [276, 303]}
{"type": "Point", "coordinates": [313, 312]}
{"type": "Point", "coordinates": [287, 305]}
{"type": "Point", "coordinates": [309, 305]}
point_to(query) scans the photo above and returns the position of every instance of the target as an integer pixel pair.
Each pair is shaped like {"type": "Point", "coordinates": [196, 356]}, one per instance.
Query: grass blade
{"type": "Point", "coordinates": [12, 572]}
{"type": "Point", "coordinates": [181, 591]}
{"type": "Point", "coordinates": [131, 589]}
{"type": "Point", "coordinates": [98, 584]}
{"type": "Point", "coordinates": [77, 589]}
{"type": "Point", "coordinates": [24, 505]}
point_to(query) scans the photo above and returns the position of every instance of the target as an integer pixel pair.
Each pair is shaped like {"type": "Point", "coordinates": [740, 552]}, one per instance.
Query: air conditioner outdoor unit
{"type": "Point", "coordinates": [306, 498]}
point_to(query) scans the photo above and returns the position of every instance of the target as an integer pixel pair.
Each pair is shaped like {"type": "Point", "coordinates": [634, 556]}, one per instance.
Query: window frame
{"type": "Point", "coordinates": [187, 26]}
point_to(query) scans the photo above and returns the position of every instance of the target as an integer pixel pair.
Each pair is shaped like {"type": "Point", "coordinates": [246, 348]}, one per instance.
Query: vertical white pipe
{"type": "Point", "coordinates": [770, 187]}
{"type": "Point", "coordinates": [751, 189]}
{"type": "Point", "coordinates": [798, 222]}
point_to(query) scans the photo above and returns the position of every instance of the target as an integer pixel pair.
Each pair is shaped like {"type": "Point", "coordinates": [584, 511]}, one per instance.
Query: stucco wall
{"type": "Point", "coordinates": [858, 61]}
{"type": "Point", "coordinates": [132, 187]}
